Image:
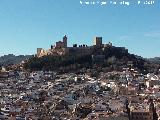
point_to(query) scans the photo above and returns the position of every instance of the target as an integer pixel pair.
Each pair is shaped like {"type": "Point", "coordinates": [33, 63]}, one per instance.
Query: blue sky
{"type": "Point", "coordinates": [28, 24]}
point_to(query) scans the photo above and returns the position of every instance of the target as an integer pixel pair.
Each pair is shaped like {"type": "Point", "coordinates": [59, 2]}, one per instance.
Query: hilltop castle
{"type": "Point", "coordinates": [61, 48]}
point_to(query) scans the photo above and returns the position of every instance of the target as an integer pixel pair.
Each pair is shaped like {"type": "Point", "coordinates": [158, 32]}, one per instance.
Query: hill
{"type": "Point", "coordinates": [111, 58]}
{"type": "Point", "coordinates": [154, 60]}
{"type": "Point", "coordinates": [12, 59]}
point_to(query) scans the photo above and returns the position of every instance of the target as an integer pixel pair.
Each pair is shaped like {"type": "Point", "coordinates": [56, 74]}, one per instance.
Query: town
{"type": "Point", "coordinates": [90, 94]}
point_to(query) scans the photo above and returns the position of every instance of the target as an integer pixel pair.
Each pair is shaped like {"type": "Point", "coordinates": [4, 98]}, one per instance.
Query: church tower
{"type": "Point", "coordinates": [152, 109]}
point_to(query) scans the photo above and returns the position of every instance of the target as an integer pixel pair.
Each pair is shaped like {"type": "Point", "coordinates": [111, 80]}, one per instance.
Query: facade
{"type": "Point", "coordinates": [61, 48]}
{"type": "Point", "coordinates": [56, 50]}
{"type": "Point", "coordinates": [141, 115]}
{"type": "Point", "coordinates": [41, 52]}
{"type": "Point", "coordinates": [79, 50]}
{"type": "Point", "coordinates": [152, 83]}
{"type": "Point", "coordinates": [98, 58]}
{"type": "Point", "coordinates": [59, 44]}
{"type": "Point", "coordinates": [148, 113]}
{"type": "Point", "coordinates": [62, 44]}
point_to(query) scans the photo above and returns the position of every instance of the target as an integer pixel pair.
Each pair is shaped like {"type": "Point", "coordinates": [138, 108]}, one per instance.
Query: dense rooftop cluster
{"type": "Point", "coordinates": [48, 95]}
{"type": "Point", "coordinates": [99, 82]}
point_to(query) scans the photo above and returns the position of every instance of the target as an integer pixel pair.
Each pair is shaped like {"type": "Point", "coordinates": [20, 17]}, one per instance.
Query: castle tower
{"type": "Point", "coordinates": [97, 41]}
{"type": "Point", "coordinates": [65, 41]}
{"type": "Point", "coordinates": [39, 51]}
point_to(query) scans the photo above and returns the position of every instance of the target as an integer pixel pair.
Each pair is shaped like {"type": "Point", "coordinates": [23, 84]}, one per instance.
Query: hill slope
{"type": "Point", "coordinates": [155, 60]}
{"type": "Point", "coordinates": [12, 59]}
{"type": "Point", "coordinates": [115, 58]}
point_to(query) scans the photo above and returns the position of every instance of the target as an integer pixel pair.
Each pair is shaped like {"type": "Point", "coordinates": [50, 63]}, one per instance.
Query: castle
{"type": "Point", "coordinates": [61, 48]}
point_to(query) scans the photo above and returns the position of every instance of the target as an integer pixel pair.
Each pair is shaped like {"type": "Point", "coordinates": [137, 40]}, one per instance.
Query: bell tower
{"type": "Point", "coordinates": [152, 109]}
